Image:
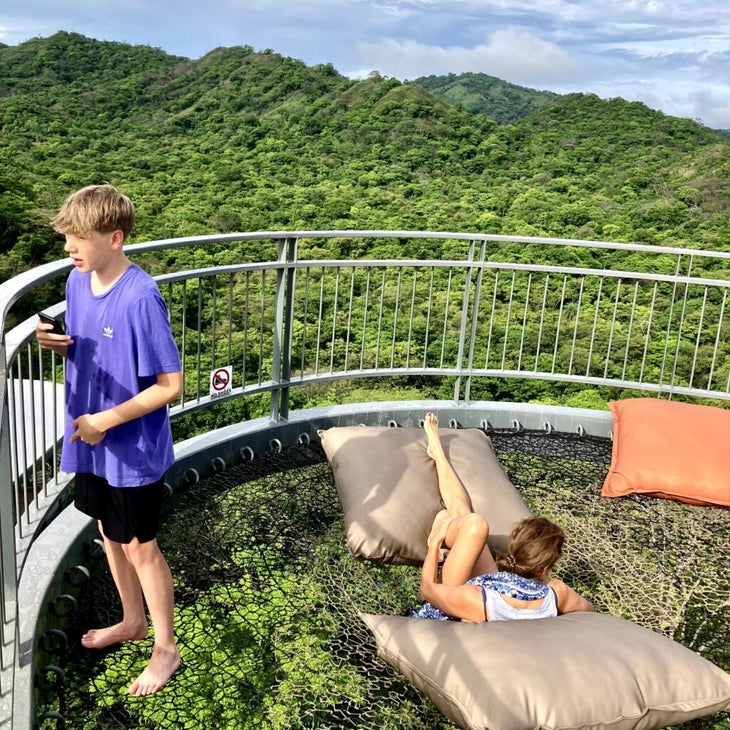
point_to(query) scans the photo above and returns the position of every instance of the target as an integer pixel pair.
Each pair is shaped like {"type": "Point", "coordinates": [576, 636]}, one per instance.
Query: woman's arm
{"type": "Point", "coordinates": [463, 602]}
{"type": "Point", "coordinates": [568, 600]}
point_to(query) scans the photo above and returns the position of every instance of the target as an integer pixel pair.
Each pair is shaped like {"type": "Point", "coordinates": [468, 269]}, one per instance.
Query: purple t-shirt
{"type": "Point", "coordinates": [122, 341]}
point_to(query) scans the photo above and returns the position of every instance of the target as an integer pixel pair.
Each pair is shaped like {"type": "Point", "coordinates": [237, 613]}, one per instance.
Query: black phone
{"type": "Point", "coordinates": [58, 327]}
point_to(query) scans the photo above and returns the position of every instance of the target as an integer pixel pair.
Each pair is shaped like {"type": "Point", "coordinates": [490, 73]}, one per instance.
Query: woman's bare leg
{"type": "Point", "coordinates": [469, 554]}
{"type": "Point", "coordinates": [453, 495]}
{"type": "Point", "coordinates": [466, 533]}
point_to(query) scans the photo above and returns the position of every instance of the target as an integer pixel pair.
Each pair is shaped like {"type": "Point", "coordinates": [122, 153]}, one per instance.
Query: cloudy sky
{"type": "Point", "coordinates": [674, 55]}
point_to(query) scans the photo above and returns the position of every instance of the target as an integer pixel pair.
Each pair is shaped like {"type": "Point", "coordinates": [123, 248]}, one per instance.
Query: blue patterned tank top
{"type": "Point", "coordinates": [503, 582]}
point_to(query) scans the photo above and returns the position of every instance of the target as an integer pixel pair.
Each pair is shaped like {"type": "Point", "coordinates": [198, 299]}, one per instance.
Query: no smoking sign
{"type": "Point", "coordinates": [221, 381]}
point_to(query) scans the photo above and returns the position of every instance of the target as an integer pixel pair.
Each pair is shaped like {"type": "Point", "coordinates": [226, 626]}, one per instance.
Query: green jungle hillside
{"type": "Point", "coordinates": [245, 140]}
{"type": "Point", "coordinates": [479, 93]}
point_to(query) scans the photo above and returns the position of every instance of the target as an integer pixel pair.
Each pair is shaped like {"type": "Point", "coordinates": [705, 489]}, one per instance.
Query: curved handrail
{"type": "Point", "coordinates": [289, 322]}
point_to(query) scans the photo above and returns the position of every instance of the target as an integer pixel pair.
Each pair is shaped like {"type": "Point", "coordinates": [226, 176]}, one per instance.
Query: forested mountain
{"type": "Point", "coordinates": [479, 93]}
{"type": "Point", "coordinates": [241, 140]}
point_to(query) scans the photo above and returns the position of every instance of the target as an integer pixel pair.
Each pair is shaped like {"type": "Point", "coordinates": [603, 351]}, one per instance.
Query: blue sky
{"type": "Point", "coordinates": [674, 55]}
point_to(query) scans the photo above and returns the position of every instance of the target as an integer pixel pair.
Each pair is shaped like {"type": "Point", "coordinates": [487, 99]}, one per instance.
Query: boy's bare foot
{"type": "Point", "coordinates": [431, 426]}
{"type": "Point", "coordinates": [162, 665]}
{"type": "Point", "coordinates": [101, 638]}
{"type": "Point", "coordinates": [440, 527]}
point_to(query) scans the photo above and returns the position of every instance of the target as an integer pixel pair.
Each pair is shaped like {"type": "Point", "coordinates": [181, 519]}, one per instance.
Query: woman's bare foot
{"type": "Point", "coordinates": [440, 527]}
{"type": "Point", "coordinates": [162, 665]}
{"type": "Point", "coordinates": [101, 638]}
{"type": "Point", "coordinates": [431, 426]}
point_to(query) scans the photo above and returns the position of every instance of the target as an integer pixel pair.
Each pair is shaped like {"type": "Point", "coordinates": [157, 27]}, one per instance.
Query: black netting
{"type": "Point", "coordinates": [267, 597]}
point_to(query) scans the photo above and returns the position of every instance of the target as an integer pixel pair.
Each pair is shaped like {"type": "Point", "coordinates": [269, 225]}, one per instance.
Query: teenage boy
{"type": "Point", "coordinates": [122, 371]}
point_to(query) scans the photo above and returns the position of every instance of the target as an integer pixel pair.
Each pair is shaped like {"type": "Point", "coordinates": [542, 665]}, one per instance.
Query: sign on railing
{"type": "Point", "coordinates": [466, 309]}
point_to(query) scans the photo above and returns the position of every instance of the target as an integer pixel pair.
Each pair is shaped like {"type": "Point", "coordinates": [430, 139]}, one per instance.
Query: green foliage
{"type": "Point", "coordinates": [479, 93]}
{"type": "Point", "coordinates": [241, 140]}
{"type": "Point", "coordinates": [23, 232]}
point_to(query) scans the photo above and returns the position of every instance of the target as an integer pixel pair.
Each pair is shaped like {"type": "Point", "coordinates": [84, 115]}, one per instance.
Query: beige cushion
{"type": "Point", "coordinates": [388, 487]}
{"type": "Point", "coordinates": [580, 670]}
{"type": "Point", "coordinates": [670, 449]}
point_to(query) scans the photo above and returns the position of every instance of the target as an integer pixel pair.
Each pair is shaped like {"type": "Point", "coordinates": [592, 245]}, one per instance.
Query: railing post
{"type": "Point", "coordinates": [8, 561]}
{"type": "Point", "coordinates": [462, 328]}
{"type": "Point", "coordinates": [474, 319]}
{"type": "Point", "coordinates": [283, 321]}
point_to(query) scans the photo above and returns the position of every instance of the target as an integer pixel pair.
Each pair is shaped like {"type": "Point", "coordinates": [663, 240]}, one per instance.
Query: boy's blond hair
{"type": "Point", "coordinates": [95, 209]}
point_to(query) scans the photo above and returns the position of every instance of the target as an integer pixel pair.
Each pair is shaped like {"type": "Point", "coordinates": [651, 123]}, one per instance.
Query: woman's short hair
{"type": "Point", "coordinates": [535, 545]}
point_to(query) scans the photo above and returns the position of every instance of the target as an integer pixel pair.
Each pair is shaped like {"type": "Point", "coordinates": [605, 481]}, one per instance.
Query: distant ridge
{"type": "Point", "coordinates": [479, 93]}
{"type": "Point", "coordinates": [241, 140]}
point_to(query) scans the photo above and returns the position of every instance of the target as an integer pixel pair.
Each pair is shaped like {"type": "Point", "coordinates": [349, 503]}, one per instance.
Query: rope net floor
{"type": "Point", "coordinates": [267, 596]}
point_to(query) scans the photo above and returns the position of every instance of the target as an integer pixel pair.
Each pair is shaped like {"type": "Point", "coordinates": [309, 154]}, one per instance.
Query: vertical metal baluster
{"type": "Point", "coordinates": [542, 322]}
{"type": "Point", "coordinates": [199, 338]}
{"type": "Point", "coordinates": [560, 323]}
{"type": "Point", "coordinates": [697, 339]}
{"type": "Point", "coordinates": [262, 320]}
{"type": "Point", "coordinates": [365, 317]}
{"type": "Point", "coordinates": [246, 320]}
{"type": "Point", "coordinates": [183, 335]}
{"type": "Point", "coordinates": [230, 319]}
{"type": "Point", "coordinates": [444, 327]}
{"type": "Point", "coordinates": [681, 323]}
{"type": "Point", "coordinates": [717, 342]}
{"type": "Point", "coordinates": [490, 332]}
{"type": "Point", "coordinates": [305, 317]}
{"type": "Point", "coordinates": [319, 321]}
{"type": "Point", "coordinates": [648, 331]}
{"type": "Point", "coordinates": [575, 326]}
{"type": "Point", "coordinates": [349, 319]}
{"type": "Point", "coordinates": [32, 463]}
{"type": "Point", "coordinates": [507, 321]}
{"type": "Point", "coordinates": [214, 300]}
{"type": "Point", "coordinates": [395, 316]}
{"type": "Point", "coordinates": [525, 312]}
{"type": "Point", "coordinates": [616, 302]}
{"type": "Point", "coordinates": [595, 323]}
{"type": "Point", "coordinates": [380, 319]}
{"type": "Point", "coordinates": [334, 318]}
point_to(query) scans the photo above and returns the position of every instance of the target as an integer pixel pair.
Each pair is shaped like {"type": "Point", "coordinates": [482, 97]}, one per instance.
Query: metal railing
{"type": "Point", "coordinates": [459, 307]}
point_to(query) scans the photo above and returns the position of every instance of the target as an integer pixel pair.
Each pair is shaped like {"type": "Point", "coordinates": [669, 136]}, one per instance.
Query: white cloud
{"type": "Point", "coordinates": [511, 53]}
{"type": "Point", "coordinates": [671, 54]}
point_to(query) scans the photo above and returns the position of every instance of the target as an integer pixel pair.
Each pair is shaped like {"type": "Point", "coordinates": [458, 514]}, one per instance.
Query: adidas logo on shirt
{"type": "Point", "coordinates": [108, 332]}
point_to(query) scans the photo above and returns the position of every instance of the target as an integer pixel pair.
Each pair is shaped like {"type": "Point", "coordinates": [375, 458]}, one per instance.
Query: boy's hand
{"type": "Point", "coordinates": [48, 341]}
{"type": "Point", "coordinates": [86, 430]}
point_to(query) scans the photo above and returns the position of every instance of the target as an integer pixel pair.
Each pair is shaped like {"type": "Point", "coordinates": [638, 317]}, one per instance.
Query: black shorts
{"type": "Point", "coordinates": [124, 512]}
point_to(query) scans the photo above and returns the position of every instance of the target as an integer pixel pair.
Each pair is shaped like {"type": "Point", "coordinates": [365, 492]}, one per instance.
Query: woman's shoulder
{"type": "Point", "coordinates": [512, 584]}
{"type": "Point", "coordinates": [568, 600]}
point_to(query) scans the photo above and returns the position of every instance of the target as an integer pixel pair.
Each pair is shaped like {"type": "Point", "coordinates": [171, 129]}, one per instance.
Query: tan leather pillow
{"type": "Point", "coordinates": [668, 449]}
{"type": "Point", "coordinates": [388, 487]}
{"type": "Point", "coordinates": [580, 670]}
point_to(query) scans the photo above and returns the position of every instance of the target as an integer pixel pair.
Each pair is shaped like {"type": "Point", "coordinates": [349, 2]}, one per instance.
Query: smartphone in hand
{"type": "Point", "coordinates": [58, 327]}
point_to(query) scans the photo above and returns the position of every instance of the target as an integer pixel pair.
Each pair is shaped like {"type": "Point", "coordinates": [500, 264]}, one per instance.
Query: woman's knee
{"type": "Point", "coordinates": [474, 526]}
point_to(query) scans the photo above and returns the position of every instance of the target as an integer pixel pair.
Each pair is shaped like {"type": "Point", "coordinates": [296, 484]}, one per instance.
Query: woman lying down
{"type": "Point", "coordinates": [473, 586]}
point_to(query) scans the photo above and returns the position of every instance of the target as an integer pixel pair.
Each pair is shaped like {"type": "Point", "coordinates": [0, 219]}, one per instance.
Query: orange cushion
{"type": "Point", "coordinates": [668, 449]}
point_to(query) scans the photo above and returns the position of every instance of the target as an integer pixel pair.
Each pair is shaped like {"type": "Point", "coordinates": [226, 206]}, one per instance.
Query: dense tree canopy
{"type": "Point", "coordinates": [479, 93]}
{"type": "Point", "coordinates": [241, 140]}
